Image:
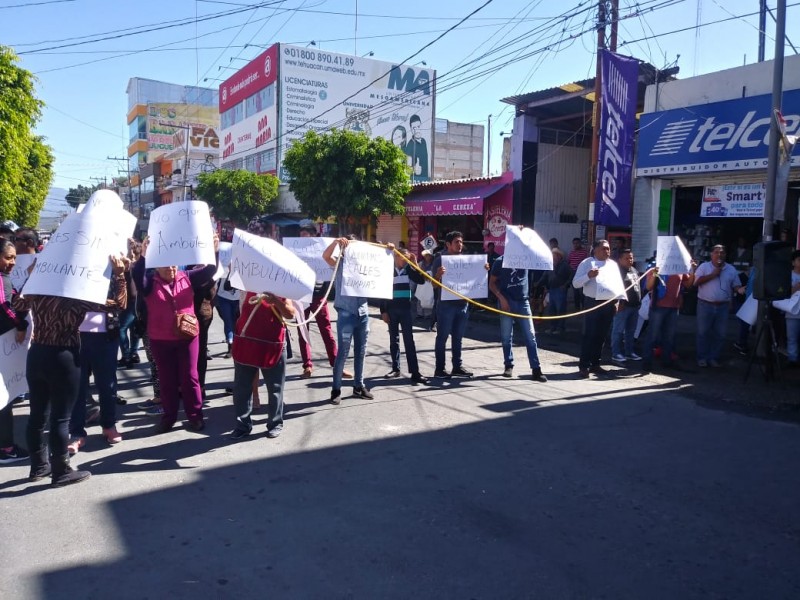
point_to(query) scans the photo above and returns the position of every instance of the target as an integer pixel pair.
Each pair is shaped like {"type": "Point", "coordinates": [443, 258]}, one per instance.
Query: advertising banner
{"type": "Point", "coordinates": [257, 132]}
{"type": "Point", "coordinates": [253, 77]}
{"type": "Point", "coordinates": [738, 200]}
{"type": "Point", "coordinates": [309, 250]}
{"type": "Point", "coordinates": [620, 76]}
{"type": "Point", "coordinates": [672, 257]}
{"type": "Point", "coordinates": [367, 271]}
{"type": "Point", "coordinates": [165, 120]}
{"type": "Point", "coordinates": [13, 381]}
{"type": "Point", "coordinates": [466, 274]}
{"type": "Point", "coordinates": [524, 249]}
{"type": "Point", "coordinates": [322, 90]}
{"type": "Point", "coordinates": [263, 265]}
{"type": "Point", "coordinates": [721, 136]}
{"type": "Point", "coordinates": [180, 234]}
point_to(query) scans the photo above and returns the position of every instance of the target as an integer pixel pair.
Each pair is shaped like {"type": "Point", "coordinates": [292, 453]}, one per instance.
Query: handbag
{"type": "Point", "coordinates": [186, 325]}
{"type": "Point", "coordinates": [255, 351]}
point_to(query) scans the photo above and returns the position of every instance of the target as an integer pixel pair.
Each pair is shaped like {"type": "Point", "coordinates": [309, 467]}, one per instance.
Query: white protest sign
{"type": "Point", "coordinates": [102, 200]}
{"type": "Point", "coordinates": [122, 223]}
{"type": "Point", "coordinates": [309, 250]}
{"type": "Point", "coordinates": [748, 312]}
{"type": "Point", "coordinates": [12, 366]}
{"type": "Point", "coordinates": [180, 234]}
{"type": "Point", "coordinates": [672, 257]}
{"type": "Point", "coordinates": [466, 274]}
{"type": "Point", "coordinates": [225, 251]}
{"type": "Point", "coordinates": [367, 271]}
{"type": "Point", "coordinates": [19, 274]}
{"type": "Point", "coordinates": [75, 262]}
{"type": "Point", "coordinates": [524, 249]}
{"type": "Point", "coordinates": [263, 265]}
{"type": "Point", "coordinates": [609, 280]}
{"type": "Point", "coordinates": [789, 305]}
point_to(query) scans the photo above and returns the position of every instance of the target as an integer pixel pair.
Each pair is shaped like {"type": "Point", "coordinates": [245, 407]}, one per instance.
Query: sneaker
{"type": "Point", "coordinates": [418, 378]}
{"type": "Point", "coordinates": [539, 376]}
{"type": "Point", "coordinates": [306, 373]}
{"type": "Point", "coordinates": [336, 396]}
{"type": "Point", "coordinates": [460, 372]}
{"type": "Point", "coordinates": [40, 472]}
{"type": "Point", "coordinates": [196, 426]}
{"type": "Point", "coordinates": [239, 434]}
{"type": "Point", "coordinates": [149, 404]}
{"type": "Point", "coordinates": [111, 435]}
{"type": "Point", "coordinates": [442, 373]}
{"type": "Point", "coordinates": [347, 374]}
{"type": "Point", "coordinates": [583, 373]}
{"type": "Point", "coordinates": [598, 370]}
{"type": "Point", "coordinates": [13, 454]}
{"type": "Point", "coordinates": [92, 415]}
{"type": "Point", "coordinates": [619, 358]}
{"type": "Point", "coordinates": [509, 372]}
{"type": "Point", "coordinates": [363, 392]}
{"type": "Point", "coordinates": [155, 411]}
{"type": "Point", "coordinates": [75, 444]}
{"type": "Point", "coordinates": [68, 477]}
{"type": "Point", "coordinates": [702, 363]}
{"type": "Point", "coordinates": [393, 374]}
{"type": "Point", "coordinates": [633, 356]}
{"type": "Point", "coordinates": [123, 363]}
{"type": "Point", "coordinates": [714, 364]}
{"type": "Point", "coordinates": [275, 431]}
{"type": "Point", "coordinates": [740, 348]}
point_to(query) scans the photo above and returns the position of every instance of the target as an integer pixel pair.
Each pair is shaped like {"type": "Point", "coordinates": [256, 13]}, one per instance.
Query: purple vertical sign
{"type": "Point", "coordinates": [612, 204]}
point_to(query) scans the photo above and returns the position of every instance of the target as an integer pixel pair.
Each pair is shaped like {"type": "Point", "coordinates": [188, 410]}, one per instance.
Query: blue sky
{"type": "Point", "coordinates": [84, 85]}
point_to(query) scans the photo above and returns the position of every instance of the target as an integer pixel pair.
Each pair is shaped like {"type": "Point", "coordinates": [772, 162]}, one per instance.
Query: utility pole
{"type": "Point", "coordinates": [489, 148]}
{"type": "Point", "coordinates": [601, 44]}
{"type": "Point", "coordinates": [774, 133]}
{"type": "Point", "coordinates": [128, 170]}
{"type": "Point", "coordinates": [615, 24]}
{"type": "Point", "coordinates": [762, 26]}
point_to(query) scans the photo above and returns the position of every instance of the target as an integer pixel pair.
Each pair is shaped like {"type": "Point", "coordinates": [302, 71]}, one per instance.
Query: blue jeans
{"type": "Point", "coordinates": [99, 354]}
{"type": "Point", "coordinates": [623, 331]}
{"type": "Point", "coordinates": [558, 306]}
{"type": "Point", "coordinates": [660, 332]}
{"type": "Point", "coordinates": [128, 346]}
{"type": "Point", "coordinates": [350, 327]}
{"type": "Point", "coordinates": [712, 323]}
{"type": "Point", "coordinates": [228, 311]}
{"type": "Point", "coordinates": [519, 307]}
{"type": "Point", "coordinates": [451, 319]}
{"type": "Point", "coordinates": [793, 338]}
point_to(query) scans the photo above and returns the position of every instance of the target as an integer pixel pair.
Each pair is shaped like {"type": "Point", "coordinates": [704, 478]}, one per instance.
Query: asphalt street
{"type": "Point", "coordinates": [486, 488]}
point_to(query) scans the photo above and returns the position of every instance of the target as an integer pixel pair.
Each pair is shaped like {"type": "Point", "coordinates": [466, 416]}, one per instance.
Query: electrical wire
{"type": "Point", "coordinates": [30, 4]}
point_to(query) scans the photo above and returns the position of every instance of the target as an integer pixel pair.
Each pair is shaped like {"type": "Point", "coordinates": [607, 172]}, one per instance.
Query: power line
{"type": "Point", "coordinates": [58, 110]}
{"type": "Point", "coordinates": [29, 4]}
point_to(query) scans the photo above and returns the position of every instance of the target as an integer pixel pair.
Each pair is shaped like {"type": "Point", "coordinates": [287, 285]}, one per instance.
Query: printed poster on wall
{"type": "Point", "coordinates": [367, 271]}
{"type": "Point", "coordinates": [12, 366]}
{"type": "Point", "coordinates": [465, 274]}
{"type": "Point", "coordinates": [180, 234]}
{"type": "Point", "coordinates": [309, 250]}
{"type": "Point", "coordinates": [524, 249]}
{"type": "Point", "coordinates": [321, 90]}
{"type": "Point", "coordinates": [735, 200]}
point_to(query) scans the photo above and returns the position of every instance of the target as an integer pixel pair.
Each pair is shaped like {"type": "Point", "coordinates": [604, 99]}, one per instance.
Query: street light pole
{"type": "Point", "coordinates": [774, 133]}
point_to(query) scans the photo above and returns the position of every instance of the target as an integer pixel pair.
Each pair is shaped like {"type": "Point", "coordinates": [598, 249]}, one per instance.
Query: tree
{"type": "Point", "coordinates": [20, 150]}
{"type": "Point", "coordinates": [346, 174]}
{"type": "Point", "coordinates": [237, 195]}
{"type": "Point", "coordinates": [80, 194]}
{"type": "Point", "coordinates": [36, 184]}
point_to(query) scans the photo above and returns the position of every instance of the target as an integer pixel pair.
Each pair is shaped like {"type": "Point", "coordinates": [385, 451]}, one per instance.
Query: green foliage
{"type": "Point", "coordinates": [36, 183]}
{"type": "Point", "coordinates": [19, 111]}
{"type": "Point", "coordinates": [237, 195]}
{"type": "Point", "coordinates": [79, 195]}
{"type": "Point", "coordinates": [347, 174]}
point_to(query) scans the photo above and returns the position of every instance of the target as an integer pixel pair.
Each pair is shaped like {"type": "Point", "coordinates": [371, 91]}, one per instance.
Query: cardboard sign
{"type": "Point", "coordinates": [367, 271]}
{"type": "Point", "coordinates": [309, 250]}
{"type": "Point", "coordinates": [466, 274]}
{"type": "Point", "coordinates": [75, 262]}
{"type": "Point", "coordinates": [263, 265]}
{"type": "Point", "coordinates": [672, 257]}
{"type": "Point", "coordinates": [524, 249]}
{"type": "Point", "coordinates": [609, 280]}
{"type": "Point", "coordinates": [180, 234]}
{"type": "Point", "coordinates": [13, 358]}
{"type": "Point", "coordinates": [19, 274]}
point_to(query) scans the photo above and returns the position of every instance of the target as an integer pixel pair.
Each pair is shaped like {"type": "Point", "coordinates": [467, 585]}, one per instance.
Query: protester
{"type": "Point", "coordinates": [53, 373]}
{"type": "Point", "coordinates": [99, 338]}
{"type": "Point", "coordinates": [204, 310]}
{"type": "Point", "coordinates": [666, 295]}
{"type": "Point", "coordinates": [260, 345]}
{"type": "Point", "coordinates": [128, 331]}
{"type": "Point", "coordinates": [227, 303]}
{"type": "Point", "coordinates": [716, 282]}
{"type": "Point", "coordinates": [427, 266]}
{"type": "Point", "coordinates": [557, 282]}
{"type": "Point", "coordinates": [352, 325]}
{"type": "Point", "coordinates": [26, 241]}
{"type": "Point", "coordinates": [597, 322]}
{"type": "Point", "coordinates": [396, 313]}
{"type": "Point", "coordinates": [624, 326]}
{"type": "Point", "coordinates": [152, 406]}
{"type": "Point", "coordinates": [793, 320]}
{"type": "Point", "coordinates": [510, 286]}
{"type": "Point", "coordinates": [169, 293]}
{"type": "Point", "coordinates": [574, 258]}
{"type": "Point", "coordinates": [9, 319]}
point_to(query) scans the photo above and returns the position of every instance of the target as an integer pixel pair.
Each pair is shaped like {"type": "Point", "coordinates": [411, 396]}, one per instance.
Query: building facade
{"type": "Point", "coordinates": [458, 150]}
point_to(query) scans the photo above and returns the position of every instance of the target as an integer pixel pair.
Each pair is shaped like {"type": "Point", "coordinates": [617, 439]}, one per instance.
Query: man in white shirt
{"type": "Point", "coordinates": [597, 322]}
{"type": "Point", "coordinates": [716, 282]}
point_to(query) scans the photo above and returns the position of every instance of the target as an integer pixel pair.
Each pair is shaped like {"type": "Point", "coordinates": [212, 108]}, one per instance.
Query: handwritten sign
{"type": "Point", "coordinates": [263, 265]}
{"type": "Point", "coordinates": [789, 305]}
{"type": "Point", "coordinates": [103, 200]}
{"type": "Point", "coordinates": [466, 274]}
{"type": "Point", "coordinates": [672, 257]}
{"type": "Point", "coordinates": [309, 250]}
{"type": "Point", "coordinates": [74, 263]}
{"type": "Point", "coordinates": [225, 251]}
{"type": "Point", "coordinates": [13, 356]}
{"type": "Point", "coordinates": [367, 271]}
{"type": "Point", "coordinates": [609, 280]}
{"type": "Point", "coordinates": [180, 234]}
{"type": "Point", "coordinates": [19, 274]}
{"type": "Point", "coordinates": [524, 249]}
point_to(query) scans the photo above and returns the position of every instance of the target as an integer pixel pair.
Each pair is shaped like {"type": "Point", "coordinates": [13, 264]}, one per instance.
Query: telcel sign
{"type": "Point", "coordinates": [722, 136]}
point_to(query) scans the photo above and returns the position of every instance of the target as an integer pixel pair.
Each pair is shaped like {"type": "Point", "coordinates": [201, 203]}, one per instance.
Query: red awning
{"type": "Point", "coordinates": [464, 200]}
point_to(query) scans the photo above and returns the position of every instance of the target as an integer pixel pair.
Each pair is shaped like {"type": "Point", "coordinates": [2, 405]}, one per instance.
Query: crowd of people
{"type": "Point", "coordinates": [169, 311]}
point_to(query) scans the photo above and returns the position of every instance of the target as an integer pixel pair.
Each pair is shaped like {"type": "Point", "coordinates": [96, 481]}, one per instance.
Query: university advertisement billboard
{"type": "Point", "coordinates": [259, 73]}
{"type": "Point", "coordinates": [324, 90]}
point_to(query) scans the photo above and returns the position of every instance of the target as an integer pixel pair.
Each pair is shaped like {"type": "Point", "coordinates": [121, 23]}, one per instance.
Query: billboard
{"type": "Point", "coordinates": [164, 120]}
{"type": "Point", "coordinates": [325, 90]}
{"type": "Point", "coordinates": [259, 73]}
{"type": "Point", "coordinates": [721, 136]}
{"type": "Point", "coordinates": [736, 200]}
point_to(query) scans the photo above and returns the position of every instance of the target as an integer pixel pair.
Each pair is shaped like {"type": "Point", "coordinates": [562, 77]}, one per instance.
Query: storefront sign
{"type": "Point", "coordinates": [612, 205]}
{"type": "Point", "coordinates": [739, 200]}
{"type": "Point", "coordinates": [721, 136]}
{"type": "Point", "coordinates": [433, 208]}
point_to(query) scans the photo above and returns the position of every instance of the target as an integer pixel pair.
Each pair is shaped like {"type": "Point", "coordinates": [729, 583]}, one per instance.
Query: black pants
{"type": "Point", "coordinates": [54, 374]}
{"type": "Point", "coordinates": [202, 354]}
{"type": "Point", "coordinates": [7, 426]}
{"type": "Point", "coordinates": [400, 318]}
{"type": "Point", "coordinates": [595, 330]}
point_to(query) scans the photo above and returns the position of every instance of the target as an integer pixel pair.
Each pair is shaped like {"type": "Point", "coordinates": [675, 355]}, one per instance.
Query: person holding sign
{"type": "Point", "coordinates": [352, 325]}
{"type": "Point", "coordinates": [510, 286]}
{"type": "Point", "coordinates": [173, 332]}
{"type": "Point", "coordinates": [599, 278]}
{"type": "Point", "coordinates": [624, 327]}
{"type": "Point", "coordinates": [716, 282]}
